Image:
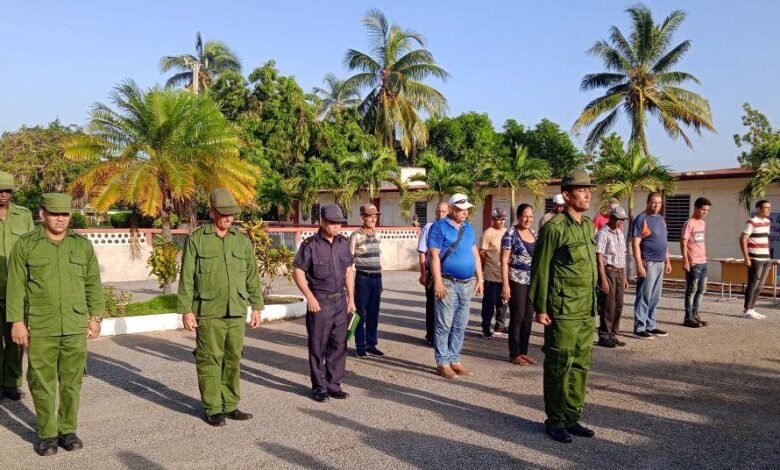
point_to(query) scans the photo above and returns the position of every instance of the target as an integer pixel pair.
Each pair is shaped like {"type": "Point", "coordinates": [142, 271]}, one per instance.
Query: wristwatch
{"type": "Point", "coordinates": [96, 318]}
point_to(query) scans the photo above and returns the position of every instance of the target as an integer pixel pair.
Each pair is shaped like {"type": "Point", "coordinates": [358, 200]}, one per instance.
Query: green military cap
{"type": "Point", "coordinates": [57, 203]}
{"type": "Point", "coordinates": [576, 178]}
{"type": "Point", "coordinates": [7, 181]}
{"type": "Point", "coordinates": [223, 202]}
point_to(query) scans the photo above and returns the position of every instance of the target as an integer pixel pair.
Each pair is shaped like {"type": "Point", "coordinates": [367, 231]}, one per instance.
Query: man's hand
{"type": "Point", "coordinates": [439, 290]}
{"type": "Point", "coordinates": [20, 334]}
{"type": "Point", "coordinates": [687, 266]}
{"type": "Point", "coordinates": [544, 319]}
{"type": "Point", "coordinates": [605, 286]}
{"type": "Point", "coordinates": [423, 278]}
{"type": "Point", "coordinates": [625, 282]}
{"type": "Point", "coordinates": [668, 265]}
{"type": "Point", "coordinates": [312, 304]}
{"type": "Point", "coordinates": [351, 307]}
{"type": "Point", "coordinates": [640, 269]}
{"type": "Point", "coordinates": [254, 319]}
{"type": "Point", "coordinates": [189, 321]}
{"type": "Point", "coordinates": [478, 287]}
{"type": "Point", "coordinates": [93, 331]}
{"type": "Point", "coordinates": [506, 293]}
{"type": "Point", "coordinates": [747, 262]}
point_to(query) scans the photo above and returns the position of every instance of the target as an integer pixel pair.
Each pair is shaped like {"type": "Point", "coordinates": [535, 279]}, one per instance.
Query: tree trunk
{"type": "Point", "coordinates": [165, 224]}
{"type": "Point", "coordinates": [196, 77]}
{"type": "Point", "coordinates": [512, 198]}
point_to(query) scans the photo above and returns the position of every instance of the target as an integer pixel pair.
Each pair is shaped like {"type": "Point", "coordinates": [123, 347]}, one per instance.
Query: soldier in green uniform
{"type": "Point", "coordinates": [563, 293]}
{"type": "Point", "coordinates": [55, 302]}
{"type": "Point", "coordinates": [15, 221]}
{"type": "Point", "coordinates": [218, 281]}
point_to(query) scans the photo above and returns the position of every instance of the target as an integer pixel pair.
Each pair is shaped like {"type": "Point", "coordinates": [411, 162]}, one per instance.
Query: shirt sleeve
{"type": "Point", "coordinates": [506, 240]}
{"type": "Point", "coordinates": [435, 237]}
{"type": "Point", "coordinates": [748, 230]}
{"type": "Point", "coordinates": [186, 292]}
{"type": "Point", "coordinates": [636, 226]}
{"type": "Point", "coordinates": [254, 283]}
{"type": "Point", "coordinates": [540, 267]}
{"type": "Point", "coordinates": [422, 243]}
{"type": "Point", "coordinates": [353, 242]}
{"type": "Point", "coordinates": [93, 288]}
{"type": "Point", "coordinates": [686, 230]}
{"type": "Point", "coordinates": [303, 257]}
{"type": "Point", "coordinates": [601, 242]}
{"type": "Point", "coordinates": [16, 291]}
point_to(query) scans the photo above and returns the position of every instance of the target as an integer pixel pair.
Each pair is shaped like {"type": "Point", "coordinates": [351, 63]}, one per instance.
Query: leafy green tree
{"type": "Point", "coordinates": [276, 195]}
{"type": "Point", "coordinates": [760, 137]}
{"type": "Point", "coordinates": [373, 169]}
{"type": "Point", "coordinates": [640, 80]}
{"type": "Point", "coordinates": [337, 96]}
{"type": "Point", "coordinates": [442, 178]}
{"type": "Point", "coordinates": [156, 149]}
{"type": "Point", "coordinates": [394, 72]}
{"type": "Point", "coordinates": [34, 156]}
{"type": "Point", "coordinates": [545, 141]}
{"type": "Point", "coordinates": [467, 138]}
{"type": "Point", "coordinates": [310, 178]}
{"type": "Point", "coordinates": [767, 173]}
{"type": "Point", "coordinates": [515, 172]}
{"type": "Point", "coordinates": [210, 60]}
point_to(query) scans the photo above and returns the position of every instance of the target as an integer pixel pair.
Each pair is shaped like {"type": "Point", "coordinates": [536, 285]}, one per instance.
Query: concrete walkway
{"type": "Point", "coordinates": [705, 398]}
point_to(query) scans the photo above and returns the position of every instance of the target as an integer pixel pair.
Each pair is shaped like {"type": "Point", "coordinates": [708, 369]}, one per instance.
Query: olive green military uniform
{"type": "Point", "coordinates": [563, 285]}
{"type": "Point", "coordinates": [54, 286]}
{"type": "Point", "coordinates": [18, 221]}
{"type": "Point", "coordinates": [218, 281]}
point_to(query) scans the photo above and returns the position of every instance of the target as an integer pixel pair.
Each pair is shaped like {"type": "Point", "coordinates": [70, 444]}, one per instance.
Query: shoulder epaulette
{"type": "Point", "coordinates": [308, 240]}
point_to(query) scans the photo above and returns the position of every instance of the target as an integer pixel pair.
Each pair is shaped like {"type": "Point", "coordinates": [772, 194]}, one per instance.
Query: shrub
{"type": "Point", "coordinates": [78, 220]}
{"type": "Point", "coordinates": [272, 261]}
{"type": "Point", "coordinates": [164, 262]}
{"type": "Point", "coordinates": [120, 220]}
{"type": "Point", "coordinates": [174, 222]}
{"type": "Point", "coordinates": [116, 301]}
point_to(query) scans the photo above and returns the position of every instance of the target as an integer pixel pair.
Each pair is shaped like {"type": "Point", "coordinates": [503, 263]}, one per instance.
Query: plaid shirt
{"type": "Point", "coordinates": [612, 245]}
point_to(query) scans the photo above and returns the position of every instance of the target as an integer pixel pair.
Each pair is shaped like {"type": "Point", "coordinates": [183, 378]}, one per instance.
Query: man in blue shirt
{"type": "Point", "coordinates": [454, 259]}
{"type": "Point", "coordinates": [652, 260]}
{"type": "Point", "coordinates": [425, 274]}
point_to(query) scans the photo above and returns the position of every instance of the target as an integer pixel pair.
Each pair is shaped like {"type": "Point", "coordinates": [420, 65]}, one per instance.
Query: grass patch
{"type": "Point", "coordinates": [155, 305]}
{"type": "Point", "coordinates": [282, 299]}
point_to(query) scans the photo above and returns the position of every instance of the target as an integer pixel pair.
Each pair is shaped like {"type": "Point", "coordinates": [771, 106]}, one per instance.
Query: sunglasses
{"type": "Point", "coordinates": [461, 201]}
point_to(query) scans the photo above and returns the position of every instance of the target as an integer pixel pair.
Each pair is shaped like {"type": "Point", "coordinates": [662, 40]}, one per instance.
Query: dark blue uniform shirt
{"type": "Point", "coordinates": [325, 263]}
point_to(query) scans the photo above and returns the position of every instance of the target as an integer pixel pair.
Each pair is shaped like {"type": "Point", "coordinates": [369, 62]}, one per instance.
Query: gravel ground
{"type": "Point", "coordinates": [705, 398]}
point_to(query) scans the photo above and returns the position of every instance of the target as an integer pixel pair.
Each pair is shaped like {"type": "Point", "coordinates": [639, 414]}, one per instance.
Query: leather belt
{"type": "Point", "coordinates": [614, 269]}
{"type": "Point", "coordinates": [365, 274]}
{"type": "Point", "coordinates": [329, 295]}
{"type": "Point", "coordinates": [459, 281]}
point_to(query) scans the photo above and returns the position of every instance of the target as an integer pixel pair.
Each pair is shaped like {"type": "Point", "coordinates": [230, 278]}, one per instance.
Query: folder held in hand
{"type": "Point", "coordinates": [354, 319]}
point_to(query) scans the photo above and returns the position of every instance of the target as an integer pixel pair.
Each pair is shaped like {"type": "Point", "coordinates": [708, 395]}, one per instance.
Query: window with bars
{"type": "Point", "coordinates": [315, 214]}
{"type": "Point", "coordinates": [421, 209]}
{"type": "Point", "coordinates": [676, 212]}
{"type": "Point", "coordinates": [548, 204]}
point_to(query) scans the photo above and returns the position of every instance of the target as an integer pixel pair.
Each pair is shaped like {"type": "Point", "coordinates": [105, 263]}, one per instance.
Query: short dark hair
{"type": "Point", "coordinates": [652, 195]}
{"type": "Point", "coordinates": [701, 202]}
{"type": "Point", "coordinates": [761, 203]}
{"type": "Point", "coordinates": [522, 207]}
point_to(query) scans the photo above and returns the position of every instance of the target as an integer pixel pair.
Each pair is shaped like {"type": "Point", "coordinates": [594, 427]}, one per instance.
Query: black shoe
{"type": "Point", "coordinates": [579, 430]}
{"type": "Point", "coordinates": [238, 415]}
{"type": "Point", "coordinates": [560, 435]}
{"type": "Point", "coordinates": [643, 335]}
{"type": "Point", "coordinates": [216, 420]}
{"type": "Point", "coordinates": [657, 332]}
{"type": "Point", "coordinates": [375, 352]}
{"type": "Point", "coordinates": [607, 343]}
{"type": "Point", "coordinates": [487, 334]}
{"type": "Point", "coordinates": [429, 342]}
{"type": "Point", "coordinates": [701, 322]}
{"type": "Point", "coordinates": [70, 442]}
{"type": "Point", "coordinates": [692, 324]}
{"type": "Point", "coordinates": [360, 354]}
{"type": "Point", "coordinates": [46, 447]}
{"type": "Point", "coordinates": [339, 395]}
{"type": "Point", "coordinates": [319, 396]}
{"type": "Point", "coordinates": [617, 342]}
{"type": "Point", "coordinates": [13, 393]}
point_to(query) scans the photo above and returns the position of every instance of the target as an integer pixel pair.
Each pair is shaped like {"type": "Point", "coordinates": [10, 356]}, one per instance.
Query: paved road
{"type": "Point", "coordinates": [703, 398]}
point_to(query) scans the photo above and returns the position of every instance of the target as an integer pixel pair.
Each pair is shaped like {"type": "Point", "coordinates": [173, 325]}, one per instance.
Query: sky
{"type": "Point", "coordinates": [510, 59]}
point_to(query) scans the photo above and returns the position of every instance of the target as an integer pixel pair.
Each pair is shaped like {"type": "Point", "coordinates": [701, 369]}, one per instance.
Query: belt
{"type": "Point", "coordinates": [365, 274]}
{"type": "Point", "coordinates": [614, 269]}
{"type": "Point", "coordinates": [329, 295]}
{"type": "Point", "coordinates": [459, 281]}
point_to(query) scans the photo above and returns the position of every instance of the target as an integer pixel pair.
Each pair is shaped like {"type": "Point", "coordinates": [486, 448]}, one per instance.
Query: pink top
{"type": "Point", "coordinates": [693, 235]}
{"type": "Point", "coordinates": [600, 221]}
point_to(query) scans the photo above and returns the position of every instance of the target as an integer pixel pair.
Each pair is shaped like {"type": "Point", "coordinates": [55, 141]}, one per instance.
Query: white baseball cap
{"type": "Point", "coordinates": [558, 199]}
{"type": "Point", "coordinates": [461, 201]}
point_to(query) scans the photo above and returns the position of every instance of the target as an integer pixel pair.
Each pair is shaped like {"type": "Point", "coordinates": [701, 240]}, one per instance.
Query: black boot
{"type": "Point", "coordinates": [70, 442]}
{"type": "Point", "coordinates": [579, 430]}
{"type": "Point", "coordinates": [216, 420]}
{"type": "Point", "coordinates": [238, 415]}
{"type": "Point", "coordinates": [12, 393]}
{"type": "Point", "coordinates": [560, 435]}
{"type": "Point", "coordinates": [46, 447]}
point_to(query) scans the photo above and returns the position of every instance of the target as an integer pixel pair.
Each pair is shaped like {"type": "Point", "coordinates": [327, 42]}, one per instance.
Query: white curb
{"type": "Point", "coordinates": [172, 321]}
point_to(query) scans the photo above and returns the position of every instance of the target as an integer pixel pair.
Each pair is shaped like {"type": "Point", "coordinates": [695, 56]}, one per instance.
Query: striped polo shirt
{"type": "Point", "coordinates": [366, 251]}
{"type": "Point", "coordinates": [757, 230]}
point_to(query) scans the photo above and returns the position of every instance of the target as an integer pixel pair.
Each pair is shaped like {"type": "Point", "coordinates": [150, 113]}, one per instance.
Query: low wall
{"type": "Point", "coordinates": [123, 259]}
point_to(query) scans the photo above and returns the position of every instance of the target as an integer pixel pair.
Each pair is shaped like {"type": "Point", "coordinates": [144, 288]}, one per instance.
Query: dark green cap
{"type": "Point", "coordinates": [7, 181]}
{"type": "Point", "coordinates": [577, 178]}
{"type": "Point", "coordinates": [57, 203]}
{"type": "Point", "coordinates": [223, 202]}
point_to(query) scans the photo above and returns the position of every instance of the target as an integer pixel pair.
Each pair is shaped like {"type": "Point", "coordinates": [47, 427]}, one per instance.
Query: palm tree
{"type": "Point", "coordinates": [310, 178]}
{"type": "Point", "coordinates": [210, 60]}
{"type": "Point", "coordinates": [276, 193]}
{"type": "Point", "coordinates": [515, 172]}
{"type": "Point", "coordinates": [640, 80]}
{"type": "Point", "coordinates": [394, 72]}
{"type": "Point", "coordinates": [375, 168]}
{"type": "Point", "coordinates": [766, 174]}
{"type": "Point", "coordinates": [442, 177]}
{"type": "Point", "coordinates": [337, 96]}
{"type": "Point", "coordinates": [156, 150]}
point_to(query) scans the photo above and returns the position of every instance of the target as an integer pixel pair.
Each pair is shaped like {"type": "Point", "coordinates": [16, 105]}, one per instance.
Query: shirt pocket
{"type": "Point", "coordinates": [322, 268]}
{"type": "Point", "coordinates": [37, 267]}
{"type": "Point", "coordinates": [576, 252]}
{"type": "Point", "coordinates": [239, 261]}
{"type": "Point", "coordinates": [78, 264]}
{"type": "Point", "coordinates": [207, 261]}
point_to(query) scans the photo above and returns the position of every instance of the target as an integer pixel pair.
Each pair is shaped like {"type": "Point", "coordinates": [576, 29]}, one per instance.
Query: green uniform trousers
{"type": "Point", "coordinates": [567, 347]}
{"type": "Point", "coordinates": [10, 354]}
{"type": "Point", "coordinates": [218, 345]}
{"type": "Point", "coordinates": [54, 359]}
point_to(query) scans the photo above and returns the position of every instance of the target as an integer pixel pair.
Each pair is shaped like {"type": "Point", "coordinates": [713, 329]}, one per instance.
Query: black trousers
{"type": "Point", "coordinates": [492, 303]}
{"type": "Point", "coordinates": [521, 315]}
{"type": "Point", "coordinates": [430, 313]}
{"type": "Point", "coordinates": [327, 331]}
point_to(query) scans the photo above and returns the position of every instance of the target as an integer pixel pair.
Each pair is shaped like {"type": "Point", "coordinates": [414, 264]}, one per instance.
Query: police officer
{"type": "Point", "coordinates": [55, 302]}
{"type": "Point", "coordinates": [15, 221]}
{"type": "Point", "coordinates": [218, 281]}
{"type": "Point", "coordinates": [325, 274]}
{"type": "Point", "coordinates": [563, 287]}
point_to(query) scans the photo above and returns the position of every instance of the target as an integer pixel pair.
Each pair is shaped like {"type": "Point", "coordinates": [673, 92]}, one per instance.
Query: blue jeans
{"type": "Point", "coordinates": [648, 293]}
{"type": "Point", "coordinates": [368, 291]}
{"type": "Point", "coordinates": [452, 315]}
{"type": "Point", "coordinates": [695, 287]}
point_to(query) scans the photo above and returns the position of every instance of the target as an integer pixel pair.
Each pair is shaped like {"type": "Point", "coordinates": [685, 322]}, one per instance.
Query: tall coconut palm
{"type": "Point", "coordinates": [337, 96]}
{"type": "Point", "coordinates": [443, 178]}
{"type": "Point", "coordinates": [394, 72]}
{"type": "Point", "coordinates": [640, 80]}
{"type": "Point", "coordinates": [515, 171]}
{"type": "Point", "coordinates": [210, 60]}
{"type": "Point", "coordinates": [156, 149]}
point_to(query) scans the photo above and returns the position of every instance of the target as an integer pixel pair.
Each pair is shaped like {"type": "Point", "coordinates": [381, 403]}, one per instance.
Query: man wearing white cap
{"type": "Point", "coordinates": [454, 262]}
{"type": "Point", "coordinates": [558, 206]}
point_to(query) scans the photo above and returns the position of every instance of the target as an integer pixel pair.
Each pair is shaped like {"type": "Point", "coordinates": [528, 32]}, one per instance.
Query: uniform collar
{"type": "Point", "coordinates": [40, 232]}
{"type": "Point", "coordinates": [209, 229]}
{"type": "Point", "coordinates": [320, 236]}
{"type": "Point", "coordinates": [571, 219]}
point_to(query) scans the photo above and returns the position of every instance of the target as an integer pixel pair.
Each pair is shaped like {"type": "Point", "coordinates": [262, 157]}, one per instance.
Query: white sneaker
{"type": "Point", "coordinates": [753, 315]}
